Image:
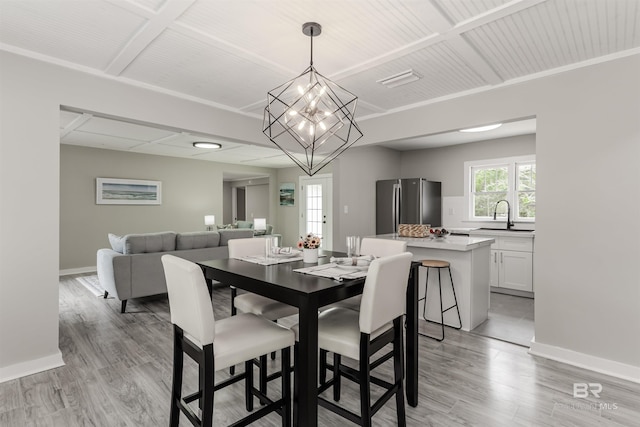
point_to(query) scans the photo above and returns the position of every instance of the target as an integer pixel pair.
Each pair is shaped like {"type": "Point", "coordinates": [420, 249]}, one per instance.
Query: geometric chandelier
{"type": "Point", "coordinates": [310, 118]}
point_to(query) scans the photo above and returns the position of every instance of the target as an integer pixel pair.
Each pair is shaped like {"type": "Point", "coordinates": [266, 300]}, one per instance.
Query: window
{"type": "Point", "coordinates": [512, 179]}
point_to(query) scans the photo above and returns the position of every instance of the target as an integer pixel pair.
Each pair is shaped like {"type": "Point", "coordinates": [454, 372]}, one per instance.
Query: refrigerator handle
{"type": "Point", "coordinates": [419, 205]}
{"type": "Point", "coordinates": [395, 209]}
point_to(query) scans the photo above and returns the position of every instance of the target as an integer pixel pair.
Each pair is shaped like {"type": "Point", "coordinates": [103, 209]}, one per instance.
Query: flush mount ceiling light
{"type": "Point", "coordinates": [312, 115]}
{"type": "Point", "coordinates": [399, 79]}
{"type": "Point", "coordinates": [482, 128]}
{"type": "Point", "coordinates": [204, 144]}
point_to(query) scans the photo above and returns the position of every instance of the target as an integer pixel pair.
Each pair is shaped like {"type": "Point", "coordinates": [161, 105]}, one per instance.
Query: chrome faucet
{"type": "Point", "coordinates": [495, 210]}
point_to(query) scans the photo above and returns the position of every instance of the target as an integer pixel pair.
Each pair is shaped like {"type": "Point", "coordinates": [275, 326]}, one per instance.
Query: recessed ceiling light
{"type": "Point", "coordinates": [482, 128]}
{"type": "Point", "coordinates": [204, 144]}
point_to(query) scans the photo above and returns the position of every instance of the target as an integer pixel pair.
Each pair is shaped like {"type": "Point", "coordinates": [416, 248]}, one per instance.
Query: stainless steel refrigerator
{"type": "Point", "coordinates": [407, 201]}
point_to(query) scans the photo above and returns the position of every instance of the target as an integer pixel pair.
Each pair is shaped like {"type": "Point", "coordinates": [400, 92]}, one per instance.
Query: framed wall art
{"type": "Point", "coordinates": [287, 194]}
{"type": "Point", "coordinates": [114, 191]}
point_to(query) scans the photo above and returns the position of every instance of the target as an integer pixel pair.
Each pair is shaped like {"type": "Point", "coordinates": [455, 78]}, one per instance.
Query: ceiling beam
{"type": "Point", "coordinates": [446, 31]}
{"type": "Point", "coordinates": [155, 26]}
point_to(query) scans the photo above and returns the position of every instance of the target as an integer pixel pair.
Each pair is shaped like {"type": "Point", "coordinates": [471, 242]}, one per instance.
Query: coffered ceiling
{"type": "Point", "coordinates": [229, 54]}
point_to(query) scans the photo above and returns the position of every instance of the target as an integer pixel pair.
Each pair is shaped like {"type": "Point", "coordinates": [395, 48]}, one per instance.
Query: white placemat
{"type": "Point", "coordinates": [334, 271]}
{"type": "Point", "coordinates": [260, 259]}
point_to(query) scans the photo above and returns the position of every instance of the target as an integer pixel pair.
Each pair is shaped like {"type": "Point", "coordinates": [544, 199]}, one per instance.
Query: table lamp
{"type": "Point", "coordinates": [260, 224]}
{"type": "Point", "coordinates": [209, 221]}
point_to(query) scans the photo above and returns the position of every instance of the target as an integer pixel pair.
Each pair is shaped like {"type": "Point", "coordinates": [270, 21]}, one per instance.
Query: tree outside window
{"type": "Point", "coordinates": [511, 179]}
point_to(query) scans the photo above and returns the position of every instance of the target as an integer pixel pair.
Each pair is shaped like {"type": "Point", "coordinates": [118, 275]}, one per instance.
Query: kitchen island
{"type": "Point", "coordinates": [470, 263]}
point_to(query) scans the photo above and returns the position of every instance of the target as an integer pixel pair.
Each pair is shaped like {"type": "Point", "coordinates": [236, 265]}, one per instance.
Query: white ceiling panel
{"type": "Point", "coordinates": [461, 10]}
{"type": "Point", "coordinates": [186, 65]}
{"type": "Point", "coordinates": [88, 33]}
{"type": "Point", "coordinates": [153, 5]}
{"type": "Point", "coordinates": [443, 71]}
{"type": "Point", "coordinates": [118, 128]}
{"type": "Point", "coordinates": [66, 117]}
{"type": "Point", "coordinates": [558, 33]}
{"type": "Point", "coordinates": [230, 53]}
{"type": "Point", "coordinates": [273, 30]}
{"type": "Point", "coordinates": [109, 142]}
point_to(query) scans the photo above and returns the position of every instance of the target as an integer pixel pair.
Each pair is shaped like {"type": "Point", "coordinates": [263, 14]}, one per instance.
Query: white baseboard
{"type": "Point", "coordinates": [80, 270]}
{"type": "Point", "coordinates": [31, 367]}
{"type": "Point", "coordinates": [586, 361]}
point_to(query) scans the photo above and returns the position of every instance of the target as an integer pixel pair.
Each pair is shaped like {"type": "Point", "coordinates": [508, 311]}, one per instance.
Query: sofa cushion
{"type": "Point", "coordinates": [149, 242]}
{"type": "Point", "coordinates": [237, 233]}
{"type": "Point", "coordinates": [197, 240]}
{"type": "Point", "coordinates": [117, 242]}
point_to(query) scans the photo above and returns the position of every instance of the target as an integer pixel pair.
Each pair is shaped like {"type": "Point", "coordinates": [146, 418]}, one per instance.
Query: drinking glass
{"type": "Point", "coordinates": [269, 247]}
{"type": "Point", "coordinates": [353, 246]}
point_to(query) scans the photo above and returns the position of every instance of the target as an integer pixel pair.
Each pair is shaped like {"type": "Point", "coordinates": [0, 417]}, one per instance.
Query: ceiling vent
{"type": "Point", "coordinates": [399, 79]}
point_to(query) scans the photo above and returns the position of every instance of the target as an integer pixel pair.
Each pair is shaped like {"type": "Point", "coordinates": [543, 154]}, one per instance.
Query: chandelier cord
{"type": "Point", "coordinates": [311, 60]}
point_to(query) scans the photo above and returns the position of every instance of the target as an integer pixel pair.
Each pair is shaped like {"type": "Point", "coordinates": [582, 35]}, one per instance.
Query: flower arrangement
{"type": "Point", "coordinates": [310, 241]}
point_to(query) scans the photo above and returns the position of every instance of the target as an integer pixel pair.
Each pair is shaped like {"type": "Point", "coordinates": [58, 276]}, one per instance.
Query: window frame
{"type": "Point", "coordinates": [512, 185]}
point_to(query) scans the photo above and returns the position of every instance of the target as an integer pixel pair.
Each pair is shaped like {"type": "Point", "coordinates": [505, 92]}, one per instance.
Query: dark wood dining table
{"type": "Point", "coordinates": [309, 293]}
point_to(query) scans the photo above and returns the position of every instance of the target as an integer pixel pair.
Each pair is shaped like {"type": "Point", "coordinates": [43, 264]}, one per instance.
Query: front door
{"type": "Point", "coordinates": [316, 208]}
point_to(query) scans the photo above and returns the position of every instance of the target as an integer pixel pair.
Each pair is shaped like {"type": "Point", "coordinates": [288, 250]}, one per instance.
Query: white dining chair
{"type": "Point", "coordinates": [378, 248]}
{"type": "Point", "coordinates": [359, 335]}
{"type": "Point", "coordinates": [218, 344]}
{"type": "Point", "coordinates": [253, 303]}
{"type": "Point", "coordinates": [368, 246]}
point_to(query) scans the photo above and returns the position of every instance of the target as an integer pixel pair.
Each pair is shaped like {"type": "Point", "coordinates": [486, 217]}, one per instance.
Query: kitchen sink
{"type": "Point", "coordinates": [504, 229]}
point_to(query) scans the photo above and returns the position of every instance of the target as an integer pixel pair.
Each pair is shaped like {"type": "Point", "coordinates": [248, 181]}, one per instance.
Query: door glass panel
{"type": "Point", "coordinates": [314, 209]}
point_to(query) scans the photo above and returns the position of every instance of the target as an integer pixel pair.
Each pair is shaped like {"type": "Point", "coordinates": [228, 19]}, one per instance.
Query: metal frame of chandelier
{"type": "Point", "coordinates": [310, 118]}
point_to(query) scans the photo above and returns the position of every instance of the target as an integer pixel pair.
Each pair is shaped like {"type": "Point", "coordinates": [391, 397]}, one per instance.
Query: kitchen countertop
{"type": "Point", "coordinates": [503, 233]}
{"type": "Point", "coordinates": [451, 243]}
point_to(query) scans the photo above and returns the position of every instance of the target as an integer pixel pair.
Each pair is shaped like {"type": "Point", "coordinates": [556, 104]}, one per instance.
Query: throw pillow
{"type": "Point", "coordinates": [117, 243]}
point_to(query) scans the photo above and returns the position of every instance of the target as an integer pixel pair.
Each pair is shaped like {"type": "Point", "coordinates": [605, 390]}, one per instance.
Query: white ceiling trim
{"type": "Point", "coordinates": [447, 32]}
{"type": "Point", "coordinates": [228, 47]}
{"type": "Point", "coordinates": [133, 7]}
{"type": "Point", "coordinates": [152, 29]}
{"type": "Point", "coordinates": [75, 123]}
{"type": "Point", "coordinates": [495, 14]}
{"type": "Point", "coordinates": [136, 83]}
{"type": "Point", "coordinates": [541, 74]}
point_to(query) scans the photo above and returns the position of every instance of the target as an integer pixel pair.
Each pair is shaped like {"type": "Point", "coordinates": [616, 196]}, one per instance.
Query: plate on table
{"type": "Point", "coordinates": [352, 268]}
{"type": "Point", "coordinates": [293, 253]}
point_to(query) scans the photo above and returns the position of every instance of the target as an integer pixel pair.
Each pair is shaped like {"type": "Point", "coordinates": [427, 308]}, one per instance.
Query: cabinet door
{"type": "Point", "coordinates": [494, 272]}
{"type": "Point", "coordinates": [516, 270]}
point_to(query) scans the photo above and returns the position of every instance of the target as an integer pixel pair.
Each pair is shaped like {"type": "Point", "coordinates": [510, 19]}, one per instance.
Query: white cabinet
{"type": "Point", "coordinates": [512, 270]}
{"type": "Point", "coordinates": [512, 262]}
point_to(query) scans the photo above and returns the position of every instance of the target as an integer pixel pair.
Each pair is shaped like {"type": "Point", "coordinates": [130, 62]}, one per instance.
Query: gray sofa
{"type": "Point", "coordinates": [132, 268]}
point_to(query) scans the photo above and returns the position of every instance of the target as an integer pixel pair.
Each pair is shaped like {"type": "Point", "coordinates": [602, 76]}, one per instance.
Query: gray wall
{"type": "Point", "coordinates": [586, 145]}
{"type": "Point", "coordinates": [355, 174]}
{"type": "Point", "coordinates": [190, 190]}
{"type": "Point", "coordinates": [587, 156]}
{"type": "Point", "coordinates": [446, 164]}
{"type": "Point", "coordinates": [258, 202]}
{"type": "Point", "coordinates": [227, 206]}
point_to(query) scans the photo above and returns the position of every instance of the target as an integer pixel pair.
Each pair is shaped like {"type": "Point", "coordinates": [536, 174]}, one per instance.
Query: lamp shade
{"type": "Point", "coordinates": [209, 220]}
{"type": "Point", "coordinates": [260, 224]}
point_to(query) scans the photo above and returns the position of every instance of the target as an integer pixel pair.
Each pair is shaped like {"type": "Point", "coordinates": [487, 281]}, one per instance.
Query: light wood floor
{"type": "Point", "coordinates": [510, 319]}
{"type": "Point", "coordinates": [118, 368]}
